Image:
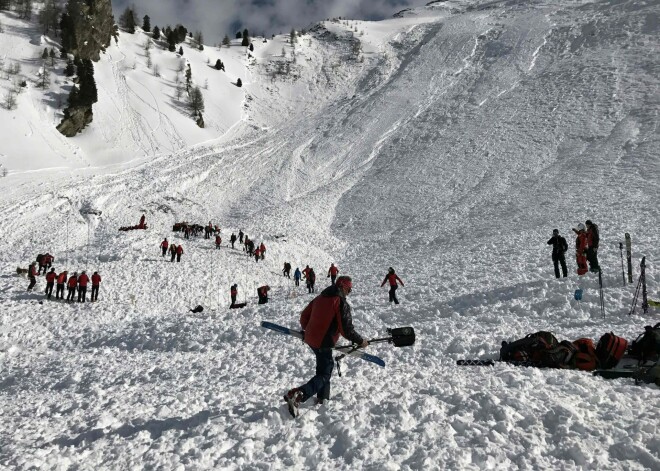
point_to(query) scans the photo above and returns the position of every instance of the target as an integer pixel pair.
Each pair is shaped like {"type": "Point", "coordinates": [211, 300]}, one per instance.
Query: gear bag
{"type": "Point", "coordinates": [530, 348]}
{"type": "Point", "coordinates": [585, 357]}
{"type": "Point", "coordinates": [610, 349]}
{"type": "Point", "coordinates": [402, 336]}
{"type": "Point", "coordinates": [647, 345]}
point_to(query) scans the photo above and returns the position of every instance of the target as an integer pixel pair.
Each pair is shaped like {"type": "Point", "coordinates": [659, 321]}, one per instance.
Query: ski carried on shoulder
{"type": "Point", "coordinates": [346, 349]}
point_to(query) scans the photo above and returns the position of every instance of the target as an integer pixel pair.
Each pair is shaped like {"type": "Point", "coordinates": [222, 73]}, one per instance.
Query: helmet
{"type": "Point", "coordinates": [580, 227]}
{"type": "Point", "coordinates": [345, 283]}
{"type": "Point", "coordinates": [555, 231]}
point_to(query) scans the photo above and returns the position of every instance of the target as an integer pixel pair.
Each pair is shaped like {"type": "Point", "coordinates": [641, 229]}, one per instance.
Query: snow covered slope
{"type": "Point", "coordinates": [447, 143]}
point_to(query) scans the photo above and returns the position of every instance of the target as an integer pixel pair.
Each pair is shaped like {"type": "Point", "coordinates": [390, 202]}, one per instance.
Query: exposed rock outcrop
{"type": "Point", "coordinates": [87, 28]}
{"type": "Point", "coordinates": [75, 120]}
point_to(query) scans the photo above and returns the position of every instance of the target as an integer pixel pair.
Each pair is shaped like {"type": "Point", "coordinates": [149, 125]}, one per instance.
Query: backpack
{"type": "Point", "coordinates": [610, 349]}
{"type": "Point", "coordinates": [559, 356]}
{"type": "Point", "coordinates": [647, 345]}
{"type": "Point", "coordinates": [529, 348]}
{"type": "Point", "coordinates": [585, 357]}
{"type": "Point", "coordinates": [40, 257]}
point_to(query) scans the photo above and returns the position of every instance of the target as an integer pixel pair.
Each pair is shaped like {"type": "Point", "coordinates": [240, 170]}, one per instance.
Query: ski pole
{"type": "Point", "coordinates": [622, 271]}
{"type": "Point", "coordinates": [602, 302]}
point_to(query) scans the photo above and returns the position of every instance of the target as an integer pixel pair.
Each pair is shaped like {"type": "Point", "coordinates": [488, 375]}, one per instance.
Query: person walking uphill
{"type": "Point", "coordinates": [559, 248]}
{"type": "Point", "coordinates": [392, 278]}
{"type": "Point", "coordinates": [593, 238]}
{"type": "Point", "coordinates": [172, 252]}
{"type": "Point", "coordinates": [164, 246]}
{"type": "Point", "coordinates": [324, 319]}
{"type": "Point", "coordinates": [581, 249]}
{"type": "Point", "coordinates": [232, 239]}
{"type": "Point", "coordinates": [332, 273]}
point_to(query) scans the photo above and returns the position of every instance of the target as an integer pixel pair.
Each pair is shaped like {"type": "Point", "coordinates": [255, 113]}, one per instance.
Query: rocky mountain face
{"type": "Point", "coordinates": [87, 29]}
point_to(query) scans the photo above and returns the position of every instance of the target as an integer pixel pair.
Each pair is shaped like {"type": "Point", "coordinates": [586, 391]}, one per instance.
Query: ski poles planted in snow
{"type": "Point", "coordinates": [623, 274]}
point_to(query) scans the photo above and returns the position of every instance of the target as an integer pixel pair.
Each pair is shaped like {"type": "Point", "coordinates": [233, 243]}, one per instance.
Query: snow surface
{"type": "Point", "coordinates": [448, 147]}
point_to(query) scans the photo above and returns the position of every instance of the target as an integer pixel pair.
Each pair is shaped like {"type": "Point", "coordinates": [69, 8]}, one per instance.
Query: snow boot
{"type": "Point", "coordinates": [293, 399]}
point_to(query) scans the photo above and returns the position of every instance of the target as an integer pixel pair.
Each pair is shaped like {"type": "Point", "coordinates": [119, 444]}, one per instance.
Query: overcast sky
{"type": "Point", "coordinates": [215, 18]}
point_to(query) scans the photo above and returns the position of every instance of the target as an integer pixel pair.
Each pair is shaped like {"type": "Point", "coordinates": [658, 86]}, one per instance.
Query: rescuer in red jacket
{"type": "Point", "coordinates": [581, 243]}
{"type": "Point", "coordinates": [96, 283]}
{"type": "Point", "coordinates": [179, 252]}
{"type": "Point", "coordinates": [332, 273]}
{"type": "Point", "coordinates": [83, 279]}
{"type": "Point", "coordinates": [71, 287]}
{"type": "Point", "coordinates": [51, 276]}
{"type": "Point", "coordinates": [392, 278]}
{"type": "Point", "coordinates": [61, 281]}
{"type": "Point", "coordinates": [324, 319]}
{"type": "Point", "coordinates": [164, 246]}
{"type": "Point", "coordinates": [218, 241]}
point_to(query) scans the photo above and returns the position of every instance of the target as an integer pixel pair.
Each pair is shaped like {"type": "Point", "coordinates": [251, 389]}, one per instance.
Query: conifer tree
{"type": "Point", "coordinates": [146, 23]}
{"type": "Point", "coordinates": [195, 101]}
{"type": "Point", "coordinates": [180, 50]}
{"type": "Point", "coordinates": [127, 20]}
{"type": "Point", "coordinates": [226, 41]}
{"type": "Point", "coordinates": [246, 38]}
{"type": "Point", "coordinates": [44, 55]}
{"type": "Point", "coordinates": [156, 33]}
{"type": "Point", "coordinates": [239, 83]}
{"type": "Point", "coordinates": [51, 54]}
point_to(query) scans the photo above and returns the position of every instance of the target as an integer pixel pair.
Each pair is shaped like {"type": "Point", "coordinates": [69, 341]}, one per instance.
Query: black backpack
{"type": "Point", "coordinates": [647, 345]}
{"type": "Point", "coordinates": [529, 348]}
{"type": "Point", "coordinates": [40, 257]}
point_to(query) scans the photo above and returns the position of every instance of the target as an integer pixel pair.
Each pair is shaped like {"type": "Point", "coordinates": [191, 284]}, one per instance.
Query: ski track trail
{"type": "Point", "coordinates": [450, 155]}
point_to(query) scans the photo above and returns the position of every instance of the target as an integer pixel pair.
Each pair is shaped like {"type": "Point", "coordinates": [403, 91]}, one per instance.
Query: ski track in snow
{"type": "Point", "coordinates": [449, 154]}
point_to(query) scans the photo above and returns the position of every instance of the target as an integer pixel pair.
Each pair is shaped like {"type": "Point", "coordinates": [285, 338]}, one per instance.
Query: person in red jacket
{"type": "Point", "coordinates": [179, 252]}
{"type": "Point", "coordinates": [61, 281]}
{"type": "Point", "coordinates": [262, 292]}
{"type": "Point", "coordinates": [164, 245]}
{"type": "Point", "coordinates": [96, 283]}
{"type": "Point", "coordinates": [262, 251]}
{"type": "Point", "coordinates": [51, 276]}
{"type": "Point", "coordinates": [257, 254]}
{"type": "Point", "coordinates": [83, 279]}
{"type": "Point", "coordinates": [581, 243]}
{"type": "Point", "coordinates": [172, 251]}
{"type": "Point", "coordinates": [218, 241]}
{"type": "Point", "coordinates": [332, 273]}
{"type": "Point", "coordinates": [71, 287]}
{"type": "Point", "coordinates": [32, 275]}
{"type": "Point", "coordinates": [392, 278]}
{"type": "Point", "coordinates": [324, 319]}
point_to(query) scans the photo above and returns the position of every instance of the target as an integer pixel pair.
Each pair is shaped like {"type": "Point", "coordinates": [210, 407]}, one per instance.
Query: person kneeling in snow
{"type": "Point", "coordinates": [324, 319]}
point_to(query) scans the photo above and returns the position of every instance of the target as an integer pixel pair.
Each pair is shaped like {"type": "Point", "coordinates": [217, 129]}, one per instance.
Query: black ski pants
{"type": "Point", "coordinates": [95, 292]}
{"type": "Point", "coordinates": [173, 255]}
{"type": "Point", "coordinates": [558, 259]}
{"type": "Point", "coordinates": [332, 279]}
{"type": "Point", "coordinates": [178, 257]}
{"type": "Point", "coordinates": [319, 385]}
{"type": "Point", "coordinates": [82, 294]}
{"type": "Point", "coordinates": [59, 291]}
{"type": "Point", "coordinates": [49, 289]}
{"type": "Point", "coordinates": [297, 280]}
{"type": "Point", "coordinates": [592, 258]}
{"type": "Point", "coordinates": [71, 294]}
{"type": "Point", "coordinates": [164, 250]}
{"type": "Point", "coordinates": [393, 294]}
{"type": "Point", "coordinates": [33, 281]}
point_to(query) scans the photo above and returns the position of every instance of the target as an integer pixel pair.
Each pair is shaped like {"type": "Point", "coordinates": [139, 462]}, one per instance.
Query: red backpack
{"type": "Point", "coordinates": [585, 358]}
{"type": "Point", "coordinates": [610, 349]}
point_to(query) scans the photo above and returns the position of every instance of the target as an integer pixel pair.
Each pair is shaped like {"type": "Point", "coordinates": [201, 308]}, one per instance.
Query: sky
{"type": "Point", "coordinates": [215, 18]}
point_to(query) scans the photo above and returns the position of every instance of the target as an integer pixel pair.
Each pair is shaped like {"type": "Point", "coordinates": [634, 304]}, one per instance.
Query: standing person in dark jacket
{"type": "Point", "coordinates": [83, 279]}
{"type": "Point", "coordinates": [559, 248]}
{"type": "Point", "coordinates": [392, 278]}
{"type": "Point", "coordinates": [324, 319]}
{"type": "Point", "coordinates": [172, 252]}
{"type": "Point", "coordinates": [593, 238]}
{"type": "Point", "coordinates": [240, 236]}
{"type": "Point", "coordinates": [32, 275]}
{"type": "Point", "coordinates": [286, 271]}
{"type": "Point", "coordinates": [71, 287]}
{"type": "Point", "coordinates": [164, 246]}
{"type": "Point", "coordinates": [262, 292]}
{"type": "Point", "coordinates": [232, 239]}
{"type": "Point", "coordinates": [311, 280]}
{"type": "Point", "coordinates": [48, 261]}
{"type": "Point", "coordinates": [61, 281]}
{"type": "Point", "coordinates": [233, 292]}
{"type": "Point", "coordinates": [96, 283]}
{"type": "Point", "coordinates": [51, 276]}
{"type": "Point", "coordinates": [297, 275]}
